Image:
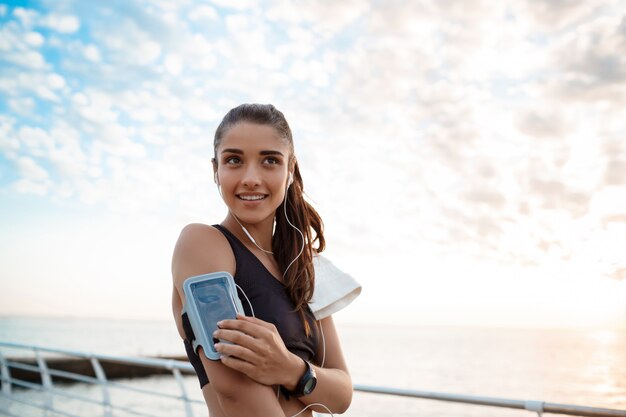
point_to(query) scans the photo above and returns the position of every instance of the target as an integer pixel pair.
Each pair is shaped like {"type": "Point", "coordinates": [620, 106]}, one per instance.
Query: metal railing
{"type": "Point", "coordinates": [49, 390]}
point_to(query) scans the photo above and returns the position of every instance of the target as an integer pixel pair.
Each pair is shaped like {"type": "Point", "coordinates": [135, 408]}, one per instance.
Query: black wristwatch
{"type": "Point", "coordinates": [305, 386]}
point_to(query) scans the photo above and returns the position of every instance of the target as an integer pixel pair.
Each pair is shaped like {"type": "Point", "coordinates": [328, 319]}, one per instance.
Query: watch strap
{"type": "Point", "coordinates": [299, 391]}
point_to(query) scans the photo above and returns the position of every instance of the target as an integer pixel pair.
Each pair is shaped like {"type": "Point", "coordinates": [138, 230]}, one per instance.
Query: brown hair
{"type": "Point", "coordinates": [286, 242]}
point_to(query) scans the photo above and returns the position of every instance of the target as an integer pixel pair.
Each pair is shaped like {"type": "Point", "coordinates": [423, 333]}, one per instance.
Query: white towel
{"type": "Point", "coordinates": [334, 289]}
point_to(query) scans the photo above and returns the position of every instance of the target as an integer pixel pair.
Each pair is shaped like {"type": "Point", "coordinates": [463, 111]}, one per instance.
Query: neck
{"type": "Point", "coordinates": [261, 232]}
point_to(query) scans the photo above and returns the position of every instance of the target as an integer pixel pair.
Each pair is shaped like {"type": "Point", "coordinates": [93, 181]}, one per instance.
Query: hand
{"type": "Point", "coordinates": [257, 351]}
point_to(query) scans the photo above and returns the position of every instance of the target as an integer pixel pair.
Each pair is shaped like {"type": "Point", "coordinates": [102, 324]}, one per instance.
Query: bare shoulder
{"type": "Point", "coordinates": [200, 249]}
{"type": "Point", "coordinates": [198, 233]}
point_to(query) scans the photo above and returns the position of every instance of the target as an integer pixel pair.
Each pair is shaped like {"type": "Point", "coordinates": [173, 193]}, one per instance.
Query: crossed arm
{"type": "Point", "coordinates": [259, 353]}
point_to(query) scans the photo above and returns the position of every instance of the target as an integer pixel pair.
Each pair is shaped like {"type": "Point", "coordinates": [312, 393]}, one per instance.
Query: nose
{"type": "Point", "coordinates": [251, 177]}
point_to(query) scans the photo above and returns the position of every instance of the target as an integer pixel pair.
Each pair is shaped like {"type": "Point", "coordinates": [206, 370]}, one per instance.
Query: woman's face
{"type": "Point", "coordinates": [252, 168]}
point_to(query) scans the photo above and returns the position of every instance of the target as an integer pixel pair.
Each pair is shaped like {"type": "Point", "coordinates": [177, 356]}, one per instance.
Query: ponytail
{"type": "Point", "coordinates": [287, 242]}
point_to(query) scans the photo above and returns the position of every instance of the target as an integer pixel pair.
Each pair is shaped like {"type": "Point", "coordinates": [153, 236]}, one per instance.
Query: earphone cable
{"type": "Point", "coordinates": [299, 231]}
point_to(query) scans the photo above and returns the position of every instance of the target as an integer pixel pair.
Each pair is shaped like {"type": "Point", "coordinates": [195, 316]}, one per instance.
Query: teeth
{"type": "Point", "coordinates": [252, 197]}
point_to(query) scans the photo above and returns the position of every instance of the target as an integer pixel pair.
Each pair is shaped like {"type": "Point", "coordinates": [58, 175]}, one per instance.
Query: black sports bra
{"type": "Point", "coordinates": [270, 301]}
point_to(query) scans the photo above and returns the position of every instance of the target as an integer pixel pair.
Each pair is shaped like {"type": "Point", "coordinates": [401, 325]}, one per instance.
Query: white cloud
{"type": "Point", "coordinates": [22, 106]}
{"type": "Point", "coordinates": [30, 170]}
{"type": "Point", "coordinates": [150, 51]}
{"type": "Point", "coordinates": [327, 18]}
{"type": "Point", "coordinates": [66, 24]}
{"type": "Point", "coordinates": [36, 140]}
{"type": "Point", "coordinates": [202, 12]}
{"type": "Point", "coordinates": [117, 140]}
{"type": "Point", "coordinates": [128, 46]}
{"type": "Point", "coordinates": [311, 71]}
{"type": "Point", "coordinates": [26, 16]}
{"type": "Point", "coordinates": [198, 53]}
{"type": "Point", "coordinates": [80, 99]}
{"type": "Point", "coordinates": [96, 107]}
{"type": "Point", "coordinates": [201, 109]}
{"type": "Point", "coordinates": [546, 123]}
{"type": "Point", "coordinates": [237, 5]}
{"type": "Point", "coordinates": [151, 107]}
{"type": "Point", "coordinates": [173, 64]}
{"type": "Point", "coordinates": [55, 81]}
{"type": "Point", "coordinates": [92, 53]}
{"type": "Point", "coordinates": [145, 115]}
{"type": "Point", "coordinates": [3, 10]}
{"type": "Point", "coordinates": [8, 143]}
{"type": "Point", "coordinates": [34, 39]}
{"type": "Point", "coordinates": [26, 186]}
{"type": "Point", "coordinates": [615, 173]}
{"type": "Point", "coordinates": [65, 190]}
{"type": "Point", "coordinates": [26, 83]}
{"type": "Point", "coordinates": [248, 48]}
{"type": "Point", "coordinates": [28, 59]}
{"type": "Point", "coordinates": [237, 23]}
{"type": "Point", "coordinates": [45, 93]}
{"type": "Point", "coordinates": [67, 157]}
{"type": "Point", "coordinates": [555, 15]}
{"type": "Point", "coordinates": [591, 62]}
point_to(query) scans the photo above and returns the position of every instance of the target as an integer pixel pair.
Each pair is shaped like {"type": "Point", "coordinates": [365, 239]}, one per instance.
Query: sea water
{"type": "Point", "coordinates": [558, 366]}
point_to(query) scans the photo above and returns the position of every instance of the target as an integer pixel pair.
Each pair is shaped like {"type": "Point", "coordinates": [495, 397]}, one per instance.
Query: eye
{"type": "Point", "coordinates": [232, 160]}
{"type": "Point", "coordinates": [270, 160]}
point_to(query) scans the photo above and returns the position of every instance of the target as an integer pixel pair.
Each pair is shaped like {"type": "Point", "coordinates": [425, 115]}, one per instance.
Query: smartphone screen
{"type": "Point", "coordinates": [214, 303]}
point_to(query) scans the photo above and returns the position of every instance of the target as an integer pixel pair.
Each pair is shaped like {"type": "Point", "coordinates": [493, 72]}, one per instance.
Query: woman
{"type": "Point", "coordinates": [267, 242]}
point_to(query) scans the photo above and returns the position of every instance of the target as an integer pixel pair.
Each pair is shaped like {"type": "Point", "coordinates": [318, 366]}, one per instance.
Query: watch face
{"type": "Point", "coordinates": [309, 386]}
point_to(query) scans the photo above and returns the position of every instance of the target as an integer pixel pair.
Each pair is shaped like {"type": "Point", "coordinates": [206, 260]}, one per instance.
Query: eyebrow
{"type": "Point", "coordinates": [271, 153]}
{"type": "Point", "coordinates": [232, 150]}
{"type": "Point", "coordinates": [240, 152]}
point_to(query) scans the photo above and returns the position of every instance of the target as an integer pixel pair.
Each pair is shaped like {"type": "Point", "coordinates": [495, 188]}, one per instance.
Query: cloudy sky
{"type": "Point", "coordinates": [468, 157]}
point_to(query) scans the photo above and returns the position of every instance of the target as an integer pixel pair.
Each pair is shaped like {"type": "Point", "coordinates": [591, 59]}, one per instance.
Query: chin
{"type": "Point", "coordinates": [253, 218]}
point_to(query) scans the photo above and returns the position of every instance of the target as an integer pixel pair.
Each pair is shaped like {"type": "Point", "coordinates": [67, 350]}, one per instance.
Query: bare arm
{"type": "Point", "coordinates": [334, 384]}
{"type": "Point", "coordinates": [258, 351]}
{"type": "Point", "coordinates": [202, 249]}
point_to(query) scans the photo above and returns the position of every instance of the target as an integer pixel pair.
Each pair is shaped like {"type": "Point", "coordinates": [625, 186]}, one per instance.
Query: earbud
{"type": "Point", "coordinates": [216, 179]}
{"type": "Point", "coordinates": [290, 180]}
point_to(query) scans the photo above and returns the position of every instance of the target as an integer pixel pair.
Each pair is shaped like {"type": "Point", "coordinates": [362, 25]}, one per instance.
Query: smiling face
{"type": "Point", "coordinates": [252, 169]}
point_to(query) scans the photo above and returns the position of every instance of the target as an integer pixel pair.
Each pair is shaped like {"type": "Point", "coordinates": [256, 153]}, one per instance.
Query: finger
{"type": "Point", "coordinates": [236, 337]}
{"type": "Point", "coordinates": [237, 364]}
{"type": "Point", "coordinates": [245, 326]}
{"type": "Point", "coordinates": [237, 351]}
{"type": "Point", "coordinates": [228, 323]}
{"type": "Point", "coordinates": [255, 320]}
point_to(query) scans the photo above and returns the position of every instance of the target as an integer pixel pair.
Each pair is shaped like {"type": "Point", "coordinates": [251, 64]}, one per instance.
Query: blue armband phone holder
{"type": "Point", "coordinates": [210, 298]}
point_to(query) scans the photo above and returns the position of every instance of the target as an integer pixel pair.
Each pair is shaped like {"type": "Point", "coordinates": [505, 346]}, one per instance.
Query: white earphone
{"type": "Point", "coordinates": [216, 179]}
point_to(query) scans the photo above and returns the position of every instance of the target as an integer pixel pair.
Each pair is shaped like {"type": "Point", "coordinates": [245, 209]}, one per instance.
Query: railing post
{"type": "Point", "coordinates": [5, 376]}
{"type": "Point", "coordinates": [102, 379]}
{"type": "Point", "coordinates": [183, 391]}
{"type": "Point", "coordinates": [46, 380]}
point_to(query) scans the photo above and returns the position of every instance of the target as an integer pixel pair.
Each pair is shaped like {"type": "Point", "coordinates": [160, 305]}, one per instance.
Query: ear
{"type": "Point", "coordinates": [292, 168]}
{"type": "Point", "coordinates": [215, 177]}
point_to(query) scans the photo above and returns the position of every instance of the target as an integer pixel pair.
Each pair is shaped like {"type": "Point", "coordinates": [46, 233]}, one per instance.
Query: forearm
{"type": "Point", "coordinates": [253, 400]}
{"type": "Point", "coordinates": [334, 384]}
{"type": "Point", "coordinates": [238, 395]}
{"type": "Point", "coordinates": [333, 389]}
